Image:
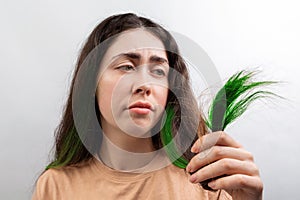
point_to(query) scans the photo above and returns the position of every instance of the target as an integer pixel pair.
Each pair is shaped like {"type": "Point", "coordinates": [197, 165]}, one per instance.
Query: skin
{"type": "Point", "coordinates": [120, 85]}
{"type": "Point", "coordinates": [218, 154]}
{"type": "Point", "coordinates": [134, 69]}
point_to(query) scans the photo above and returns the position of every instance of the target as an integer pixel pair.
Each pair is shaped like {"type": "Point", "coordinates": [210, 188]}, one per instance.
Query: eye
{"type": "Point", "coordinates": [159, 72]}
{"type": "Point", "coordinates": [126, 68]}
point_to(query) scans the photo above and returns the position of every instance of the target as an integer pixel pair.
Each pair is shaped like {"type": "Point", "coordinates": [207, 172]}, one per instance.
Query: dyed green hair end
{"type": "Point", "coordinates": [230, 102]}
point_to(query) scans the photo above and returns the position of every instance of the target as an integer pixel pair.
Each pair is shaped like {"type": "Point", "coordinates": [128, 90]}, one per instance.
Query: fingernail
{"type": "Point", "coordinates": [193, 178]}
{"type": "Point", "coordinates": [188, 168]}
{"type": "Point", "coordinates": [194, 149]}
{"type": "Point", "coordinates": [212, 184]}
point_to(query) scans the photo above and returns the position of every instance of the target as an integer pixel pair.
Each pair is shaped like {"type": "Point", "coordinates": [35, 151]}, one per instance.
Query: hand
{"type": "Point", "coordinates": [218, 154]}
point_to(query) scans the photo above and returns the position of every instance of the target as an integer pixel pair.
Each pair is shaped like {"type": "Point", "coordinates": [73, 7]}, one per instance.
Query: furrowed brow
{"type": "Point", "coordinates": [133, 56]}
{"type": "Point", "coordinates": [158, 59]}
{"type": "Point", "coordinates": [136, 56]}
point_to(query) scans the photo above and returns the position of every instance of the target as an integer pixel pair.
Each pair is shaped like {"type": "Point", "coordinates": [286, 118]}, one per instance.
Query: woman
{"type": "Point", "coordinates": [108, 144]}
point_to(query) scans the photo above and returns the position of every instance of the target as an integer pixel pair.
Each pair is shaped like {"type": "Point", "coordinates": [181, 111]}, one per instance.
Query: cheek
{"type": "Point", "coordinates": [111, 92]}
{"type": "Point", "coordinates": [161, 96]}
{"type": "Point", "coordinates": [104, 97]}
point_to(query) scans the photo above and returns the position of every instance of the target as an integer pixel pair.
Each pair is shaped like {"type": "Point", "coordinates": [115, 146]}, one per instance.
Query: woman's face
{"type": "Point", "coordinates": [133, 83]}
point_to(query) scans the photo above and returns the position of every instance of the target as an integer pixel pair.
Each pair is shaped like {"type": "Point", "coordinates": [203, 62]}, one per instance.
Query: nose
{"type": "Point", "coordinates": [142, 79]}
{"type": "Point", "coordinates": [143, 90]}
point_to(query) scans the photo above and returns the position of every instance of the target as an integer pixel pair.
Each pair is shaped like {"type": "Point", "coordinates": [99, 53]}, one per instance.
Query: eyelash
{"type": "Point", "coordinates": [157, 71]}
{"type": "Point", "coordinates": [127, 67]}
{"type": "Point", "coordinates": [160, 72]}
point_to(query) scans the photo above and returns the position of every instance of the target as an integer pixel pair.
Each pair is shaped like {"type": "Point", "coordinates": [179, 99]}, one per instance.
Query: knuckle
{"type": "Point", "coordinates": [255, 169]}
{"type": "Point", "coordinates": [194, 161]}
{"type": "Point", "coordinates": [204, 154]}
{"type": "Point", "coordinates": [218, 151]}
{"type": "Point", "coordinates": [249, 156]}
{"type": "Point", "coordinates": [260, 186]}
{"type": "Point", "coordinates": [226, 164]}
{"type": "Point", "coordinates": [222, 136]}
{"type": "Point", "coordinates": [252, 169]}
{"type": "Point", "coordinates": [242, 181]}
{"type": "Point", "coordinates": [240, 146]}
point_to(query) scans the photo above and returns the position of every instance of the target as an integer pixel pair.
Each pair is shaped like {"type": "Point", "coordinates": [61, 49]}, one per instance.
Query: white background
{"type": "Point", "coordinates": [40, 41]}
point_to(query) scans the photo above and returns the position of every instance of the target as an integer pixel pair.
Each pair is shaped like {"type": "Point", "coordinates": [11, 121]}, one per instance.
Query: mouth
{"type": "Point", "coordinates": [141, 108]}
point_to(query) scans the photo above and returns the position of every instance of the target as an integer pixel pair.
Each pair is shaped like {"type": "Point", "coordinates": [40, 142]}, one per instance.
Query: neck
{"type": "Point", "coordinates": [123, 160]}
{"type": "Point", "coordinates": [127, 142]}
{"type": "Point", "coordinates": [121, 151]}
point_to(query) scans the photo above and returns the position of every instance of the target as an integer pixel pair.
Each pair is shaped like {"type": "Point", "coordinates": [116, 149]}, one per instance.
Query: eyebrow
{"type": "Point", "coordinates": [137, 56]}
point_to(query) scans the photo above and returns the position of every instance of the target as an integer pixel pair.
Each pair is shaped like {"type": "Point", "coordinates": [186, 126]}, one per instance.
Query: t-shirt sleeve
{"type": "Point", "coordinates": [46, 187]}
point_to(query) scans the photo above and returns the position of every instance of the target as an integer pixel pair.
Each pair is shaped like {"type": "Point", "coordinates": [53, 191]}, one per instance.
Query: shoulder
{"type": "Point", "coordinates": [63, 174]}
{"type": "Point", "coordinates": [55, 181]}
{"type": "Point", "coordinates": [47, 184]}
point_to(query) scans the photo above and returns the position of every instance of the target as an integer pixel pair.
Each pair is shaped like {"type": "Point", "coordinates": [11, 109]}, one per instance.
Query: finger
{"type": "Point", "coordinates": [238, 181]}
{"type": "Point", "coordinates": [216, 153]}
{"type": "Point", "coordinates": [225, 167]}
{"type": "Point", "coordinates": [215, 138]}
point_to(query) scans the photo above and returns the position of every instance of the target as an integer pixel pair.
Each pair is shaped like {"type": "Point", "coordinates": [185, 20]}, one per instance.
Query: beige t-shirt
{"type": "Point", "coordinates": [93, 180]}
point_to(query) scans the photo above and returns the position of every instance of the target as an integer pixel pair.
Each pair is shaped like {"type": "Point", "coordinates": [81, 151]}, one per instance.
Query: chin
{"type": "Point", "coordinates": [138, 129]}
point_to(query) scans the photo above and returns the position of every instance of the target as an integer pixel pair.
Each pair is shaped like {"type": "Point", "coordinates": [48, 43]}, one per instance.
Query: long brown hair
{"type": "Point", "coordinates": [69, 148]}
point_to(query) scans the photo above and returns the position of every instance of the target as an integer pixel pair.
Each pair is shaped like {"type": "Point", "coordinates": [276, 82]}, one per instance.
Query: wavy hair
{"type": "Point", "coordinates": [187, 121]}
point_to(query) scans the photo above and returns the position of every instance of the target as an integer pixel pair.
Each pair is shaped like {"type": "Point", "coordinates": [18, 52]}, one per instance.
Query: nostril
{"type": "Point", "coordinates": [143, 90]}
{"type": "Point", "coordinates": [139, 90]}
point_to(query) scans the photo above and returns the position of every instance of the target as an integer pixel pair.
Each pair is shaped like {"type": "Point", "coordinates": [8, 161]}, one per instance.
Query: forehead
{"type": "Point", "coordinates": [136, 40]}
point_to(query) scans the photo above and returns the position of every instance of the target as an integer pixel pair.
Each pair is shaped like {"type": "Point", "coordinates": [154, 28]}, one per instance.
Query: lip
{"type": "Point", "coordinates": [140, 107]}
